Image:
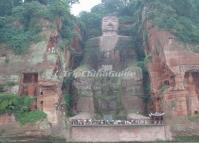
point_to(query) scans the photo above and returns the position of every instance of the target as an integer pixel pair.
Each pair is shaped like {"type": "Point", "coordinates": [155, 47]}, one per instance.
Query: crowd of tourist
{"type": "Point", "coordinates": [91, 122]}
{"type": "Point", "coordinates": [155, 119]}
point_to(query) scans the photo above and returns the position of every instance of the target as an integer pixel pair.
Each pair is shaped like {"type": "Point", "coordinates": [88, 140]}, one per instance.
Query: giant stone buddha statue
{"type": "Point", "coordinates": [115, 96]}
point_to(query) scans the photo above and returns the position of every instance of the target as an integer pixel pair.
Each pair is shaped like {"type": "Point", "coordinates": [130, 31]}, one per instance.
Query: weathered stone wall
{"type": "Point", "coordinates": [48, 99]}
{"type": "Point", "coordinates": [120, 134]}
{"type": "Point", "coordinates": [181, 126]}
{"type": "Point", "coordinates": [6, 118]}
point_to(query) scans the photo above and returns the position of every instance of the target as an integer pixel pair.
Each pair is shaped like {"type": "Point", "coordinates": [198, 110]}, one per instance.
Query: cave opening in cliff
{"type": "Point", "coordinates": [166, 83]}
{"type": "Point", "coordinates": [192, 78]}
{"type": "Point", "coordinates": [30, 77]}
{"type": "Point", "coordinates": [192, 86]}
{"type": "Point", "coordinates": [41, 105]}
{"type": "Point", "coordinates": [28, 85]}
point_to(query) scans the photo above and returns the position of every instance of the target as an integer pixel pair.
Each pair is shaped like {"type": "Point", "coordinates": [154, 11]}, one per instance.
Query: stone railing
{"type": "Point", "coordinates": [131, 122]}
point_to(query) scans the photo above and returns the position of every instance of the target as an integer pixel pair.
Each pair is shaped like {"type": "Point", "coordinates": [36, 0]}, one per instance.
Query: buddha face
{"type": "Point", "coordinates": [110, 24]}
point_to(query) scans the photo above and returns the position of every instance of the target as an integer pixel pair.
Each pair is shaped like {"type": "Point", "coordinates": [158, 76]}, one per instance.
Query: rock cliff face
{"type": "Point", "coordinates": [174, 72]}
{"type": "Point", "coordinates": [39, 72]}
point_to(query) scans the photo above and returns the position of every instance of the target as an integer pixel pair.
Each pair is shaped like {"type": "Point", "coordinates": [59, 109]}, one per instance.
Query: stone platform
{"type": "Point", "coordinates": [120, 133]}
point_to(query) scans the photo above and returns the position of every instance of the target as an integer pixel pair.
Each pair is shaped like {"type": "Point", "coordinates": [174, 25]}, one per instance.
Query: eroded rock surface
{"type": "Point", "coordinates": [174, 73]}
{"type": "Point", "coordinates": [37, 73]}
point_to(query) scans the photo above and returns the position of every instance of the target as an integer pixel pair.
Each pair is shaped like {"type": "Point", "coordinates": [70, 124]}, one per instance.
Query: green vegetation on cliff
{"type": "Point", "coordinates": [20, 107]}
{"type": "Point", "coordinates": [30, 117]}
{"type": "Point", "coordinates": [20, 22]}
{"type": "Point", "coordinates": [177, 16]}
{"type": "Point", "coordinates": [68, 94]}
{"type": "Point", "coordinates": [194, 117]}
{"type": "Point", "coordinates": [6, 85]}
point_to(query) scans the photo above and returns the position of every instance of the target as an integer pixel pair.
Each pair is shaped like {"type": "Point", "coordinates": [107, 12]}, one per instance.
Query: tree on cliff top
{"type": "Point", "coordinates": [180, 17]}
{"type": "Point", "coordinates": [177, 16]}
{"type": "Point", "coordinates": [19, 20]}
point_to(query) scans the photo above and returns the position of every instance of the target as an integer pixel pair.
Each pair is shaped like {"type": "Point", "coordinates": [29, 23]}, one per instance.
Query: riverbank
{"type": "Point", "coordinates": [48, 139]}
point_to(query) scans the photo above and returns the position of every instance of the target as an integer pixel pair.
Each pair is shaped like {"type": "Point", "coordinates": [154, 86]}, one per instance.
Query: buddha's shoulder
{"type": "Point", "coordinates": [93, 42]}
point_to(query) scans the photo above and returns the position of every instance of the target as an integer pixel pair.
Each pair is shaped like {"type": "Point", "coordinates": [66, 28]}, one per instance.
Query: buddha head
{"type": "Point", "coordinates": [110, 24]}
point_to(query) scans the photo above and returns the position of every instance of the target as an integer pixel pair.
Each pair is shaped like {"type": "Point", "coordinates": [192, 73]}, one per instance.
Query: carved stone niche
{"type": "Point", "coordinates": [30, 77]}
{"type": "Point", "coordinates": [3, 58]}
{"type": "Point", "coordinates": [110, 25]}
{"type": "Point", "coordinates": [28, 84]}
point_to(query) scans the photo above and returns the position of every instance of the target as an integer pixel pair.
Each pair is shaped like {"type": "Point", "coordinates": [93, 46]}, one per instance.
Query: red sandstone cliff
{"type": "Point", "coordinates": [40, 71]}
{"type": "Point", "coordinates": [174, 73]}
